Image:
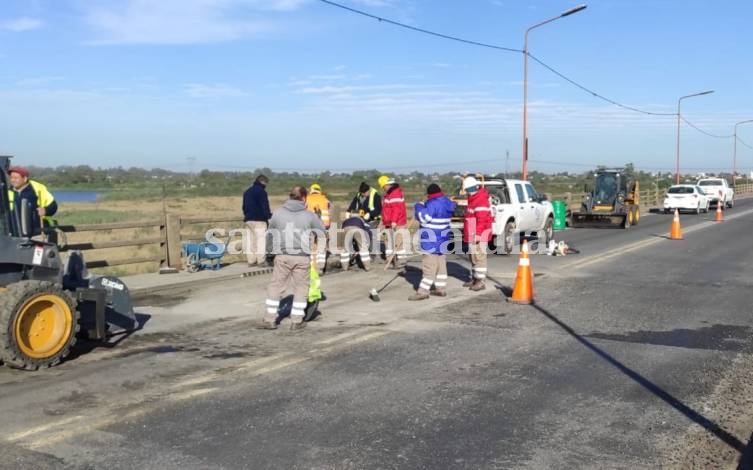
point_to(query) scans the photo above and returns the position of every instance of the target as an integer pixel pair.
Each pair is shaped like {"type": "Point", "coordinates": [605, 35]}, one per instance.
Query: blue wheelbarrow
{"type": "Point", "coordinates": [203, 255]}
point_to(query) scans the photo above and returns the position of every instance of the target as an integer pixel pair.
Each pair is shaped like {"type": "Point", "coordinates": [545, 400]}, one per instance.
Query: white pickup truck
{"type": "Point", "coordinates": [718, 190]}
{"type": "Point", "coordinates": [516, 207]}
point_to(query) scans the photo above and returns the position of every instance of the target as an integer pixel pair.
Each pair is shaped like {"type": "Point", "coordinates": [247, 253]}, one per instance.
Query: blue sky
{"type": "Point", "coordinates": [298, 84]}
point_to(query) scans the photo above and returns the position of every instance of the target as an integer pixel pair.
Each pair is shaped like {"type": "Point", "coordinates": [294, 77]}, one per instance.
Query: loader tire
{"type": "Point", "coordinates": [38, 324]}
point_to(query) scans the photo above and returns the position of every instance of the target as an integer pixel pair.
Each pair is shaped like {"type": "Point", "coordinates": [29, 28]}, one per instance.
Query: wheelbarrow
{"type": "Point", "coordinates": [203, 255]}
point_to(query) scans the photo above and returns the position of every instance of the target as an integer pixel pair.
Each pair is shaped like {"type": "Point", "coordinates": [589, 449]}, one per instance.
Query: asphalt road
{"type": "Point", "coordinates": [637, 354]}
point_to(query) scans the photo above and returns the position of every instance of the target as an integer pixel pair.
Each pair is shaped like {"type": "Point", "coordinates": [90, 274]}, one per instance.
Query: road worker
{"type": "Point", "coordinates": [477, 231]}
{"type": "Point", "coordinates": [366, 204]}
{"type": "Point", "coordinates": [434, 218]}
{"type": "Point", "coordinates": [394, 218]}
{"type": "Point", "coordinates": [318, 203]}
{"type": "Point", "coordinates": [256, 214]}
{"type": "Point", "coordinates": [41, 202]}
{"type": "Point", "coordinates": [356, 243]}
{"type": "Point", "coordinates": [290, 226]}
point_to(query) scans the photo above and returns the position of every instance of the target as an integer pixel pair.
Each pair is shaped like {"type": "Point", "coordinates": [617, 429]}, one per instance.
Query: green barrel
{"type": "Point", "coordinates": [560, 215]}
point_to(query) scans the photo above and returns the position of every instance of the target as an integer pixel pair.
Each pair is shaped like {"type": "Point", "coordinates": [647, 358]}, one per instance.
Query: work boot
{"type": "Point", "coordinates": [439, 293]}
{"type": "Point", "coordinates": [295, 322]}
{"type": "Point", "coordinates": [418, 295]}
{"type": "Point", "coordinates": [469, 283]}
{"type": "Point", "coordinates": [269, 321]}
{"type": "Point", "coordinates": [366, 266]}
{"type": "Point", "coordinates": [478, 285]}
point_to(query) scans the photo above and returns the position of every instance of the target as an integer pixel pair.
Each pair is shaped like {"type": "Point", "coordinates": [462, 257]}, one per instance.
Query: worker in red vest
{"type": "Point", "coordinates": [394, 218]}
{"type": "Point", "coordinates": [477, 231]}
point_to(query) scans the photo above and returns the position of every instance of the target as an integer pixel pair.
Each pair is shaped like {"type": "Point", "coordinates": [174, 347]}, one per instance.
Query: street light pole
{"type": "Point", "coordinates": [734, 152]}
{"type": "Point", "coordinates": [569, 12]}
{"type": "Point", "coordinates": [679, 117]}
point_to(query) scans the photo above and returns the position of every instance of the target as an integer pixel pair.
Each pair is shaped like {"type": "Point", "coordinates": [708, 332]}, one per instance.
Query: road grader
{"type": "Point", "coordinates": [47, 304]}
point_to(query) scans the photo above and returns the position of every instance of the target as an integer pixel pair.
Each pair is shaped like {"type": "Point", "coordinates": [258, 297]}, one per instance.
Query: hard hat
{"type": "Point", "coordinates": [384, 180]}
{"type": "Point", "coordinates": [469, 182]}
{"type": "Point", "coordinates": [315, 187]}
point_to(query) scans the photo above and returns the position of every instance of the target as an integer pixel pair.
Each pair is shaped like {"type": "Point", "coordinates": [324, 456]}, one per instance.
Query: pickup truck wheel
{"type": "Point", "coordinates": [730, 203]}
{"type": "Point", "coordinates": [706, 210]}
{"type": "Point", "coordinates": [508, 237]}
{"type": "Point", "coordinates": [548, 230]}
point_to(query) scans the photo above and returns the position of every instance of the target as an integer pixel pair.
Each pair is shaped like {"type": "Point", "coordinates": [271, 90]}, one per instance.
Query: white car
{"type": "Point", "coordinates": [686, 197]}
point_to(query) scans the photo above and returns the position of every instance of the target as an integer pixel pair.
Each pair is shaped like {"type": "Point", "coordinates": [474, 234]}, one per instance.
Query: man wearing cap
{"type": "Point", "coordinates": [40, 200]}
{"type": "Point", "coordinates": [477, 231]}
{"type": "Point", "coordinates": [318, 203]}
{"type": "Point", "coordinates": [395, 218]}
{"type": "Point", "coordinates": [434, 233]}
{"type": "Point", "coordinates": [367, 204]}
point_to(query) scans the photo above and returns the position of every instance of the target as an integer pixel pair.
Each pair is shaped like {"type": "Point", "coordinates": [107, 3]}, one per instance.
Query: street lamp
{"type": "Point", "coordinates": [677, 168]}
{"type": "Point", "coordinates": [734, 153]}
{"type": "Point", "coordinates": [569, 12]}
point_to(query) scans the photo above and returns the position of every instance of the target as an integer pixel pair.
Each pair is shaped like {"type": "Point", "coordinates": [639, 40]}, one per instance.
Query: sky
{"type": "Point", "coordinates": [303, 85]}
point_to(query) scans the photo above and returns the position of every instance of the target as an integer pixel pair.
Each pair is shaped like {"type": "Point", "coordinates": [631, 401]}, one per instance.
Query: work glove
{"type": "Point", "coordinates": [393, 225]}
{"type": "Point", "coordinates": [348, 215]}
{"type": "Point", "coordinates": [367, 216]}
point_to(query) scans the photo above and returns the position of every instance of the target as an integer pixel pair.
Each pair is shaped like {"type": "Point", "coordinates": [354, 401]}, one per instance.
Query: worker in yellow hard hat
{"type": "Point", "coordinates": [394, 217]}
{"type": "Point", "coordinates": [318, 203]}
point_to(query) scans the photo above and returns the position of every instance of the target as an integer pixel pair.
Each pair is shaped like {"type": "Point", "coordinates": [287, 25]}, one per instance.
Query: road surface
{"type": "Point", "coordinates": [637, 354]}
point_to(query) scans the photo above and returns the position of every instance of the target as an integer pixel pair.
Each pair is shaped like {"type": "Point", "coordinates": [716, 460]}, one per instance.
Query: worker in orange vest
{"type": "Point", "coordinates": [318, 203]}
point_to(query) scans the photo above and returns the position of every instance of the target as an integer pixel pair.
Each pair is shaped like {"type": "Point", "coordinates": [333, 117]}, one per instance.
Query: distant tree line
{"type": "Point", "coordinates": [122, 182]}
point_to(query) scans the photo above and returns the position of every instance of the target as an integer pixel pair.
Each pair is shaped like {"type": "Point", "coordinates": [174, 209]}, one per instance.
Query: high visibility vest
{"type": "Point", "coordinates": [44, 197]}
{"type": "Point", "coordinates": [320, 205]}
{"type": "Point", "coordinates": [372, 194]}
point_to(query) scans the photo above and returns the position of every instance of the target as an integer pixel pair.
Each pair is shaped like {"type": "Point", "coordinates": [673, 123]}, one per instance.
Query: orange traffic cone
{"type": "Point", "coordinates": [719, 217]}
{"type": "Point", "coordinates": [675, 233]}
{"type": "Point", "coordinates": [522, 292]}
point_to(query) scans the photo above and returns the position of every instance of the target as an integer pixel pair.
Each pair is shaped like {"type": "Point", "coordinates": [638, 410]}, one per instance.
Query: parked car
{"type": "Point", "coordinates": [686, 197]}
{"type": "Point", "coordinates": [517, 208]}
{"type": "Point", "coordinates": [718, 190]}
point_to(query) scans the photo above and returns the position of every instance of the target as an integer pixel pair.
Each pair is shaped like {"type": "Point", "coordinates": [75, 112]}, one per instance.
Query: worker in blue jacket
{"type": "Point", "coordinates": [256, 214]}
{"type": "Point", "coordinates": [435, 235]}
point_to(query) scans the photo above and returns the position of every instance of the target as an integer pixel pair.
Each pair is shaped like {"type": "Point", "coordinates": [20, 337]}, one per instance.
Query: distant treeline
{"type": "Point", "coordinates": [119, 183]}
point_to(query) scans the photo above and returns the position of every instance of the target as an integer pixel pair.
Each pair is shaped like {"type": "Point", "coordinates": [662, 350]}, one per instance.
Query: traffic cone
{"type": "Point", "coordinates": [675, 233]}
{"type": "Point", "coordinates": [719, 217]}
{"type": "Point", "coordinates": [522, 292]}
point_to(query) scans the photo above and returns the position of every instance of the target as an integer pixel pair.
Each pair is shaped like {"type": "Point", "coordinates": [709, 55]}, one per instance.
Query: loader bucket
{"type": "Point", "coordinates": [582, 220]}
{"type": "Point", "coordinates": [118, 307]}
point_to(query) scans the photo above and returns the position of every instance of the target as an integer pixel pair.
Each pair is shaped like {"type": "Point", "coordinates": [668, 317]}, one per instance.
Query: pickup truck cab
{"type": "Point", "coordinates": [718, 191]}
{"type": "Point", "coordinates": [516, 207]}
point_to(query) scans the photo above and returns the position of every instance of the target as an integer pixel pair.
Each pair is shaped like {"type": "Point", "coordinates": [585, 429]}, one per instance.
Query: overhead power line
{"type": "Point", "coordinates": [717, 136]}
{"type": "Point", "coordinates": [743, 142]}
{"type": "Point", "coordinates": [420, 30]}
{"type": "Point", "coordinates": [534, 58]}
{"type": "Point", "coordinates": [593, 93]}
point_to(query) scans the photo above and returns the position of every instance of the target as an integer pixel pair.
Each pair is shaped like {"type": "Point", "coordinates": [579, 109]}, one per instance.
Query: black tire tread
{"type": "Point", "coordinates": [10, 300]}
